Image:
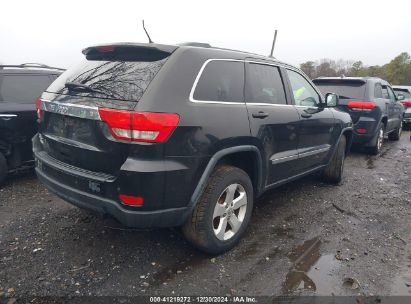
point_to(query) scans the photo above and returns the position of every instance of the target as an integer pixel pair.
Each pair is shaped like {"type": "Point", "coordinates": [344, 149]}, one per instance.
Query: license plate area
{"type": "Point", "coordinates": [72, 128]}
{"type": "Point", "coordinates": [74, 181]}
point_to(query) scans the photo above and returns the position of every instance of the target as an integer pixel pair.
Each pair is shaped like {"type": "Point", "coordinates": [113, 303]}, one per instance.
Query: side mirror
{"type": "Point", "coordinates": [331, 100]}
{"type": "Point", "coordinates": [400, 97]}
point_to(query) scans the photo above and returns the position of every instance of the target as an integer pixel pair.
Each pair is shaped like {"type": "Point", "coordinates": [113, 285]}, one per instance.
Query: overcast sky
{"type": "Point", "coordinates": [55, 32]}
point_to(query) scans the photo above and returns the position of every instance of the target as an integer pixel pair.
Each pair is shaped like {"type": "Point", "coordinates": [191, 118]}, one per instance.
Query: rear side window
{"type": "Point", "coordinates": [221, 81]}
{"type": "Point", "coordinates": [22, 88]}
{"type": "Point", "coordinates": [378, 90]}
{"type": "Point", "coordinates": [345, 90]}
{"type": "Point", "coordinates": [264, 84]}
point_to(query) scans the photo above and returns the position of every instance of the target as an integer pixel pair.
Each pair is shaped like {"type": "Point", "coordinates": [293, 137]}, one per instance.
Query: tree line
{"type": "Point", "coordinates": [396, 72]}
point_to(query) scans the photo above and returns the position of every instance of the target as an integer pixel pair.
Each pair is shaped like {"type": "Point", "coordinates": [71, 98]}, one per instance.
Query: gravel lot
{"type": "Point", "coordinates": [305, 238]}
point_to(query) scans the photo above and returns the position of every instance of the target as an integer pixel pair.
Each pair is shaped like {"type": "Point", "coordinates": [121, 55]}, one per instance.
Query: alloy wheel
{"type": "Point", "coordinates": [229, 212]}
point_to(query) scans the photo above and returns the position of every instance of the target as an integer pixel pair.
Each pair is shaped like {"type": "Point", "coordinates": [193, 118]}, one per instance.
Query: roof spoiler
{"type": "Point", "coordinates": [339, 80]}
{"type": "Point", "coordinates": [129, 51]}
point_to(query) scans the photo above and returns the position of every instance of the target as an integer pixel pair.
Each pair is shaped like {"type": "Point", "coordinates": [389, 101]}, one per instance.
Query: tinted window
{"type": "Point", "coordinates": [403, 92]}
{"type": "Point", "coordinates": [391, 94]}
{"type": "Point", "coordinates": [347, 90]}
{"type": "Point", "coordinates": [264, 84]}
{"type": "Point", "coordinates": [121, 80]}
{"type": "Point", "coordinates": [221, 81]}
{"type": "Point", "coordinates": [378, 90]}
{"type": "Point", "coordinates": [385, 92]}
{"type": "Point", "coordinates": [304, 93]}
{"type": "Point", "coordinates": [22, 88]}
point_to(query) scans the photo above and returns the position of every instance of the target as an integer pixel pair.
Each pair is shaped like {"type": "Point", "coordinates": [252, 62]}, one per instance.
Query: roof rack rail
{"type": "Point", "coordinates": [30, 65]}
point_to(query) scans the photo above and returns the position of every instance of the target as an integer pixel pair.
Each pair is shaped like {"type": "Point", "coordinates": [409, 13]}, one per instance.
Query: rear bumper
{"type": "Point", "coordinates": [368, 123]}
{"type": "Point", "coordinates": [407, 116]}
{"type": "Point", "coordinates": [138, 219]}
{"type": "Point", "coordinates": [99, 192]}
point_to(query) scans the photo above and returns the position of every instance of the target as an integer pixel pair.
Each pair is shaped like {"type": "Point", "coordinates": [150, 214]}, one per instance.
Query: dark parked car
{"type": "Point", "coordinates": [404, 95]}
{"type": "Point", "coordinates": [20, 86]}
{"type": "Point", "coordinates": [161, 135]}
{"type": "Point", "coordinates": [373, 107]}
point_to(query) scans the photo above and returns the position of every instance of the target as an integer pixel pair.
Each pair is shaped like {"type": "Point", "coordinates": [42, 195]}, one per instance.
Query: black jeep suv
{"type": "Point", "coordinates": [373, 106]}
{"type": "Point", "coordinates": [20, 86]}
{"type": "Point", "coordinates": [161, 135]}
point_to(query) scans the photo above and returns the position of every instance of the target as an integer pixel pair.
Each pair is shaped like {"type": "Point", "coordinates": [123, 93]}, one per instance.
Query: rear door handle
{"type": "Point", "coordinates": [260, 114]}
{"type": "Point", "coordinates": [306, 115]}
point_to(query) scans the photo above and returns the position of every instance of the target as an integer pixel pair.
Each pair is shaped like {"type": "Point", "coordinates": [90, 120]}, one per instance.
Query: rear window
{"type": "Point", "coordinates": [121, 80]}
{"type": "Point", "coordinates": [352, 90]}
{"type": "Point", "coordinates": [403, 92]}
{"type": "Point", "coordinates": [22, 88]}
{"type": "Point", "coordinates": [221, 81]}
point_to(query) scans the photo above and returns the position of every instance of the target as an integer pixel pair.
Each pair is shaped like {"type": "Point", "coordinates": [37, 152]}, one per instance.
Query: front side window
{"type": "Point", "coordinates": [264, 84]}
{"type": "Point", "coordinates": [22, 88]}
{"type": "Point", "coordinates": [304, 93]}
{"type": "Point", "coordinates": [391, 94]}
{"type": "Point", "coordinates": [385, 92]}
{"type": "Point", "coordinates": [221, 81]}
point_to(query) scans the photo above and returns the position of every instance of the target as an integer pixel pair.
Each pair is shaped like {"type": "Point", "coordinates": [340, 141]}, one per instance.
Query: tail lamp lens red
{"type": "Point", "coordinates": [361, 105]}
{"type": "Point", "coordinates": [139, 126]}
{"type": "Point", "coordinates": [361, 130]}
{"type": "Point", "coordinates": [38, 108]}
{"type": "Point", "coordinates": [406, 104]}
{"type": "Point", "coordinates": [132, 200]}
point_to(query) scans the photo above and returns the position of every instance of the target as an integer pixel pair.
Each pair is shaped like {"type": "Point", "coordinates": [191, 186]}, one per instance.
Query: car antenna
{"type": "Point", "coordinates": [149, 39]}
{"type": "Point", "coordinates": [272, 47]}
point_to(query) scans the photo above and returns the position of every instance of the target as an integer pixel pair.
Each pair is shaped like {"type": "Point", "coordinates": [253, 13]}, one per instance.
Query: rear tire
{"type": "Point", "coordinates": [334, 171]}
{"type": "Point", "coordinates": [223, 212]}
{"type": "Point", "coordinates": [377, 142]}
{"type": "Point", "coordinates": [3, 168]}
{"type": "Point", "coordinates": [396, 134]}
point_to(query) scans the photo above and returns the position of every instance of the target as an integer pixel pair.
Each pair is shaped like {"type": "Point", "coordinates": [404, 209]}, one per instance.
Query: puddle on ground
{"type": "Point", "coordinates": [370, 162]}
{"type": "Point", "coordinates": [168, 273]}
{"type": "Point", "coordinates": [311, 270]}
{"type": "Point", "coordinates": [283, 232]}
{"type": "Point", "coordinates": [402, 283]}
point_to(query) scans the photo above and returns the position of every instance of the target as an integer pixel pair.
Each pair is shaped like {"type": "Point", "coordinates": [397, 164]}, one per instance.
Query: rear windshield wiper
{"type": "Point", "coordinates": [343, 97]}
{"type": "Point", "coordinates": [75, 86]}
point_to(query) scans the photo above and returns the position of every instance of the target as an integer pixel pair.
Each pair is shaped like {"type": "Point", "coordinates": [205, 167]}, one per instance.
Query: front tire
{"type": "Point", "coordinates": [3, 168]}
{"type": "Point", "coordinates": [334, 171]}
{"type": "Point", "coordinates": [223, 212]}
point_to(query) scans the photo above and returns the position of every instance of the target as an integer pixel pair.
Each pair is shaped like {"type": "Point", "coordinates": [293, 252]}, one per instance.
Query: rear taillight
{"type": "Point", "coordinates": [406, 103]}
{"type": "Point", "coordinates": [361, 130]}
{"type": "Point", "coordinates": [361, 105]}
{"type": "Point", "coordinates": [139, 126]}
{"type": "Point", "coordinates": [38, 108]}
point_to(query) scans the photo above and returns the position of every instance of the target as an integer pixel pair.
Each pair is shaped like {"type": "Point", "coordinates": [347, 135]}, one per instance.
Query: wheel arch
{"type": "Point", "coordinates": [234, 156]}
